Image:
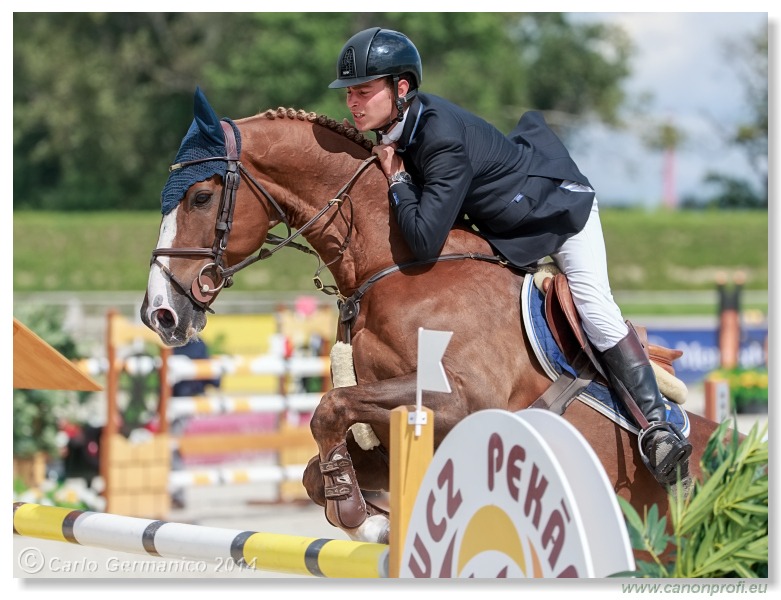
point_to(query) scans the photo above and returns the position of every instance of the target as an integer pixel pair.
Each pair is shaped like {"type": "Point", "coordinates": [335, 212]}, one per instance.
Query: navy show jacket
{"type": "Point", "coordinates": [507, 186]}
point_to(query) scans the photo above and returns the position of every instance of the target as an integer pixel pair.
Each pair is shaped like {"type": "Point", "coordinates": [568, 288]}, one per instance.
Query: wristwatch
{"type": "Point", "coordinates": [400, 177]}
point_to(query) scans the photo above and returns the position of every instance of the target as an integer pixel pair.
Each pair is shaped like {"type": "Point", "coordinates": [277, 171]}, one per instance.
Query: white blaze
{"type": "Point", "coordinates": [158, 287]}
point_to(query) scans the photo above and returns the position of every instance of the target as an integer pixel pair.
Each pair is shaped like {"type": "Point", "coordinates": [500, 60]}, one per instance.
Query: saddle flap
{"type": "Point", "coordinates": [564, 323]}
{"type": "Point", "coordinates": [563, 318]}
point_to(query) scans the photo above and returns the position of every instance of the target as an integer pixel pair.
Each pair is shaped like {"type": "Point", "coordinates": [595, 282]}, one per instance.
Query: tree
{"type": "Point", "coordinates": [729, 193]}
{"type": "Point", "coordinates": [750, 58]}
{"type": "Point", "coordinates": [102, 100]}
{"type": "Point", "coordinates": [575, 72]}
{"type": "Point", "coordinates": [93, 98]}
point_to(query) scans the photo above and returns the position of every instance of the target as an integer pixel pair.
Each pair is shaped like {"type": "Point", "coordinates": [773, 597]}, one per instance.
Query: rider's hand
{"type": "Point", "coordinates": [389, 161]}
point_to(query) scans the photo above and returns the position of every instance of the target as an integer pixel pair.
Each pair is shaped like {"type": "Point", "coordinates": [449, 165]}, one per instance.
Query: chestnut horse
{"type": "Point", "coordinates": [317, 178]}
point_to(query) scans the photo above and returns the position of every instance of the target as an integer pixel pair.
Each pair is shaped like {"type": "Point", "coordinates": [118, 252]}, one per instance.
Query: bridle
{"type": "Point", "coordinates": [215, 275]}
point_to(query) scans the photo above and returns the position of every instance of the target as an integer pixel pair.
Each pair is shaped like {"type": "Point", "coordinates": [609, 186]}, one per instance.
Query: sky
{"type": "Point", "coordinates": [680, 60]}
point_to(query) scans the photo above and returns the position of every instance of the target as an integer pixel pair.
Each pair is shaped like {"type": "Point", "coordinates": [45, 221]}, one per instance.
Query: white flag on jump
{"type": "Point", "coordinates": [431, 349]}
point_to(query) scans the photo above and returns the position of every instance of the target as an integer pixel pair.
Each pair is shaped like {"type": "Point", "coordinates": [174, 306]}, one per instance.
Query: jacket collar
{"type": "Point", "coordinates": [394, 135]}
{"type": "Point", "coordinates": [411, 122]}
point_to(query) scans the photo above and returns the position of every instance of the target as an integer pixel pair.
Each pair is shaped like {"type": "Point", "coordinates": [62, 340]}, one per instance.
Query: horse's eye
{"type": "Point", "coordinates": [202, 198]}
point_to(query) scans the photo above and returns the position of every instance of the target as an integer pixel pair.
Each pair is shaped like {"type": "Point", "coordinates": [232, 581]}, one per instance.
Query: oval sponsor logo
{"type": "Point", "coordinates": [496, 502]}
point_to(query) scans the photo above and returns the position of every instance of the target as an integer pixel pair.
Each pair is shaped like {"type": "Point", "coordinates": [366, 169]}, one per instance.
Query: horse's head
{"type": "Point", "coordinates": [192, 262]}
{"type": "Point", "coordinates": [311, 167]}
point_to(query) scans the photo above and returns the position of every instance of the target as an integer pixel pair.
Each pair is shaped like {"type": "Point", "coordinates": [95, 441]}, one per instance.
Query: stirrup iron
{"type": "Point", "coordinates": [666, 471]}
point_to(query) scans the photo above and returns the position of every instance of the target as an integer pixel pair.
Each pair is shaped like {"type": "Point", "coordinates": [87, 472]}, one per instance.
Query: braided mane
{"type": "Point", "coordinates": [350, 133]}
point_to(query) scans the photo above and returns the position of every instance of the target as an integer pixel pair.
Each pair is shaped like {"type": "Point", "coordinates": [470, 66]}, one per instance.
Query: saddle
{"type": "Point", "coordinates": [564, 323]}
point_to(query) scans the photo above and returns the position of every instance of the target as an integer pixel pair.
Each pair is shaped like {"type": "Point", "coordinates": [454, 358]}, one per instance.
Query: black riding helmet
{"type": "Point", "coordinates": [375, 53]}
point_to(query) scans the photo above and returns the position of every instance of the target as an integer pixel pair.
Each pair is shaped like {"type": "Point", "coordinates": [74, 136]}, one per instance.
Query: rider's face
{"type": "Point", "coordinates": [371, 104]}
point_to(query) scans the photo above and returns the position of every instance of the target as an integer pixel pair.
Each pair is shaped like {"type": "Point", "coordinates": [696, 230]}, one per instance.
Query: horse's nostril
{"type": "Point", "coordinates": [165, 318]}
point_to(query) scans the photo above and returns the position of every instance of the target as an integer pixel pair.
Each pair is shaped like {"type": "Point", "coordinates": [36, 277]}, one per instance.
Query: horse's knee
{"type": "Point", "coordinates": [330, 417]}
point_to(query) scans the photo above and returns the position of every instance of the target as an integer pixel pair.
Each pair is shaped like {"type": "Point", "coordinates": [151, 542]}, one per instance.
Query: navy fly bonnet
{"type": "Point", "coordinates": [204, 139]}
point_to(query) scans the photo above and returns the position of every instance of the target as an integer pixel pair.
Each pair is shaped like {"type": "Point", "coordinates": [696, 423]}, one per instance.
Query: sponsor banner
{"type": "Point", "coordinates": [515, 495]}
{"type": "Point", "coordinates": [701, 353]}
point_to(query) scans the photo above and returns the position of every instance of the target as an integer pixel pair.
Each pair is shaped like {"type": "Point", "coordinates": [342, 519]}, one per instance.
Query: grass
{"type": "Point", "coordinates": [684, 250]}
{"type": "Point", "coordinates": [659, 251]}
{"type": "Point", "coordinates": [101, 251]}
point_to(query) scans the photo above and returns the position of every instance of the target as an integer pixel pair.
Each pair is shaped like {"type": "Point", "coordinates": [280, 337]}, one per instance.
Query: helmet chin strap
{"type": "Point", "coordinates": [399, 104]}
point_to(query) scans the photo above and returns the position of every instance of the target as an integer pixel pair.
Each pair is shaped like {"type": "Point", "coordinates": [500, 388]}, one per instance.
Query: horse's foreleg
{"type": "Point", "coordinates": [371, 403]}
{"type": "Point", "coordinates": [339, 409]}
{"type": "Point", "coordinates": [371, 467]}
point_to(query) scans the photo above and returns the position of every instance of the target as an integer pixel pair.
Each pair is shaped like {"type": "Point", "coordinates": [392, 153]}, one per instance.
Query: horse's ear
{"type": "Point", "coordinates": [207, 120]}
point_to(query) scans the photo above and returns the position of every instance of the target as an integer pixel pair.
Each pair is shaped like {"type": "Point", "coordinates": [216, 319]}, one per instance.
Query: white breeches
{"type": "Point", "coordinates": [583, 260]}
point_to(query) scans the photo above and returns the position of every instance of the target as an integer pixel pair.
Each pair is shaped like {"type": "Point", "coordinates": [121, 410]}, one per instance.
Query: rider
{"type": "Point", "coordinates": [522, 191]}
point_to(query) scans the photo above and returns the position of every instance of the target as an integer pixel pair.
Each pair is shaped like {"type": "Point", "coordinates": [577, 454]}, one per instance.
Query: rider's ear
{"type": "Point", "coordinates": [403, 87]}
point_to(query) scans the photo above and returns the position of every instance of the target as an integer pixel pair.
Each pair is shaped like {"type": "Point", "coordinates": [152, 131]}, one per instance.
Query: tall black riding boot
{"type": "Point", "coordinates": [664, 449]}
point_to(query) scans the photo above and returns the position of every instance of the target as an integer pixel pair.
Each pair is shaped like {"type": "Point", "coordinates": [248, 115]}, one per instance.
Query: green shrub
{"type": "Point", "coordinates": [721, 529]}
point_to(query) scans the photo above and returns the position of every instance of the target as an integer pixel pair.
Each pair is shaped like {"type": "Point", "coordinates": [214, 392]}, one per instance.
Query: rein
{"type": "Point", "coordinates": [204, 287]}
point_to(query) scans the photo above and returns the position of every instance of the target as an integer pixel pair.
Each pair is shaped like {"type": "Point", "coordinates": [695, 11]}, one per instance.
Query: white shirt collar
{"type": "Point", "coordinates": [395, 134]}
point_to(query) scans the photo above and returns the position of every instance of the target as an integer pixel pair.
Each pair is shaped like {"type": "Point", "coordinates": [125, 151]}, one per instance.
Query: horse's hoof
{"type": "Point", "coordinates": [344, 504]}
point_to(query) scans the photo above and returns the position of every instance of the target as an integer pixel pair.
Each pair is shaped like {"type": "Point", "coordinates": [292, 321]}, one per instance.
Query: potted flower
{"type": "Point", "coordinates": [748, 389]}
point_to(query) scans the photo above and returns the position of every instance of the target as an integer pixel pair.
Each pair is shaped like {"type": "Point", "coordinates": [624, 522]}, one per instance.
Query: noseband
{"type": "Point", "coordinates": [215, 275]}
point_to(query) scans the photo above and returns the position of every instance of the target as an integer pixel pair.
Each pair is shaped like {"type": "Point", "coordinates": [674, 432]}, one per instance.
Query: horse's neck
{"type": "Point", "coordinates": [310, 164]}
